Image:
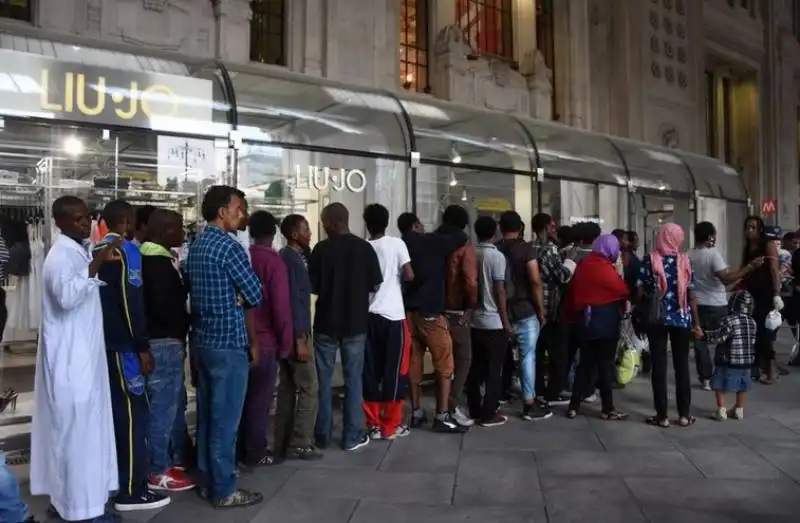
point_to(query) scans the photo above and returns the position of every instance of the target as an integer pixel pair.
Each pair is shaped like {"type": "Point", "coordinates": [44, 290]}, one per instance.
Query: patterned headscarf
{"type": "Point", "coordinates": [668, 243]}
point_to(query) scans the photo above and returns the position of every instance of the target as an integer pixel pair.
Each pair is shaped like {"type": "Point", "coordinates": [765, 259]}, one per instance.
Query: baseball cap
{"type": "Point", "coordinates": [773, 231]}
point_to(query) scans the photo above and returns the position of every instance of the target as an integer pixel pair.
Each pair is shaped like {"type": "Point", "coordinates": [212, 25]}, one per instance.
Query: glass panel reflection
{"type": "Point", "coordinates": [284, 181]}
{"type": "Point", "coordinates": [304, 111]}
{"type": "Point", "coordinates": [654, 167]}
{"type": "Point", "coordinates": [451, 133]}
{"type": "Point", "coordinates": [566, 152]}
{"type": "Point", "coordinates": [481, 193]}
{"type": "Point", "coordinates": [715, 178]}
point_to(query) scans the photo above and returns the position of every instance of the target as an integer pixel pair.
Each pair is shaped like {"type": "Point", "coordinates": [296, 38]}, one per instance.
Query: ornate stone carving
{"type": "Point", "coordinates": [655, 68]}
{"type": "Point", "coordinates": [683, 81]}
{"type": "Point", "coordinates": [680, 7]}
{"type": "Point", "coordinates": [669, 74]}
{"type": "Point", "coordinates": [682, 55]}
{"type": "Point", "coordinates": [668, 4]}
{"type": "Point", "coordinates": [155, 5]}
{"type": "Point", "coordinates": [94, 16]}
{"type": "Point", "coordinates": [669, 51]}
{"type": "Point", "coordinates": [669, 136]}
{"type": "Point", "coordinates": [654, 20]}
{"type": "Point", "coordinates": [667, 25]}
{"type": "Point", "coordinates": [680, 30]}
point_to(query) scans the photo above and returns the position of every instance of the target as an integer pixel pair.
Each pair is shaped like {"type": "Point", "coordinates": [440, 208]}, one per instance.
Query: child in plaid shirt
{"type": "Point", "coordinates": [734, 356]}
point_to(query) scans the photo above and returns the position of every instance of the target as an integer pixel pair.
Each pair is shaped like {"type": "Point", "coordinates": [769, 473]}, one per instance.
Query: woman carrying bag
{"type": "Point", "coordinates": [667, 310]}
{"type": "Point", "coordinates": [596, 302]}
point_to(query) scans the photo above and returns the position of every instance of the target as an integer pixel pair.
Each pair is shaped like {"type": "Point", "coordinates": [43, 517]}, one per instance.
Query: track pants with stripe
{"type": "Point", "coordinates": [131, 416]}
{"type": "Point", "coordinates": [386, 365]}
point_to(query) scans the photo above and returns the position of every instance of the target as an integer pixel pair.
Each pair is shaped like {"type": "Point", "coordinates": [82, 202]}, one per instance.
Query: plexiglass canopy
{"type": "Point", "coordinates": [284, 108]}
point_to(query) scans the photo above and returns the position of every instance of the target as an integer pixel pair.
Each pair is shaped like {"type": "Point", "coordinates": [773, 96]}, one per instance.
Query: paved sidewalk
{"type": "Point", "coordinates": [558, 471]}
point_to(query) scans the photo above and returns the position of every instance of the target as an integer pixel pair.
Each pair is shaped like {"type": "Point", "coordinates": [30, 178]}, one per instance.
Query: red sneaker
{"type": "Point", "coordinates": [173, 480]}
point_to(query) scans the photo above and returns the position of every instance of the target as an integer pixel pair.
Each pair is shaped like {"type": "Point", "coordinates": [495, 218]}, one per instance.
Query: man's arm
{"type": "Point", "coordinates": [279, 305]}
{"type": "Point", "coordinates": [314, 269]}
{"type": "Point", "coordinates": [374, 275]}
{"type": "Point", "coordinates": [774, 267]}
{"type": "Point", "coordinates": [717, 336]}
{"type": "Point", "coordinates": [537, 289]}
{"type": "Point", "coordinates": [499, 288]}
{"type": "Point", "coordinates": [728, 276]}
{"type": "Point", "coordinates": [405, 263]}
{"type": "Point", "coordinates": [469, 276]}
{"type": "Point", "coordinates": [67, 286]}
{"type": "Point", "coordinates": [239, 270]}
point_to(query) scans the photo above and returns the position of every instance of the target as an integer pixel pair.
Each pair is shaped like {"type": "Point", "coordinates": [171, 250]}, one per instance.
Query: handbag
{"type": "Point", "coordinates": [648, 313]}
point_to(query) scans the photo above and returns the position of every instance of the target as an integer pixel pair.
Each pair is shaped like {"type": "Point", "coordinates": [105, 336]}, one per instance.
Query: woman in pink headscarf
{"type": "Point", "coordinates": [667, 273]}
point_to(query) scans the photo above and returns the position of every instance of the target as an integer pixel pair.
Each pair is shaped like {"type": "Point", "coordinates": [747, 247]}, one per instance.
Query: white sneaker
{"type": "Point", "coordinates": [706, 385]}
{"type": "Point", "coordinates": [375, 433]}
{"type": "Point", "coordinates": [591, 398]}
{"type": "Point", "coordinates": [401, 432]}
{"type": "Point", "coordinates": [738, 413]}
{"type": "Point", "coordinates": [461, 418]}
{"type": "Point", "coordinates": [721, 414]}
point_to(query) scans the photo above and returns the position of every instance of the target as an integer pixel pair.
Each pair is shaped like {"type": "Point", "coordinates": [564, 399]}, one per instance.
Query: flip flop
{"type": "Point", "coordinates": [686, 421]}
{"type": "Point", "coordinates": [655, 422]}
{"type": "Point", "coordinates": [614, 415]}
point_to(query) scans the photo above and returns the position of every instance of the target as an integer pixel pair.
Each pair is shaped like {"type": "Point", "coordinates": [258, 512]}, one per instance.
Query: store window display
{"type": "Point", "coordinates": [287, 181]}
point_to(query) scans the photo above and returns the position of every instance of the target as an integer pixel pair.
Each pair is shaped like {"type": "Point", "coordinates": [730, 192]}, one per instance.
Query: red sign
{"type": "Point", "coordinates": [769, 206]}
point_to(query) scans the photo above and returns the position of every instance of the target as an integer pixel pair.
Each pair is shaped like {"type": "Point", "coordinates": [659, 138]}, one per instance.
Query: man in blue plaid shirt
{"type": "Point", "coordinates": [222, 285]}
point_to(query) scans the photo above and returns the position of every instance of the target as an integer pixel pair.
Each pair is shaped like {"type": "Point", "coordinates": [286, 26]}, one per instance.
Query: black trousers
{"type": "Point", "coordinates": [509, 370]}
{"type": "Point", "coordinates": [488, 355]}
{"type": "Point", "coordinates": [3, 312]}
{"type": "Point", "coordinates": [680, 339]}
{"type": "Point", "coordinates": [765, 339]}
{"type": "Point", "coordinates": [386, 360]}
{"type": "Point", "coordinates": [710, 318]}
{"type": "Point", "coordinates": [553, 342]}
{"type": "Point", "coordinates": [595, 368]}
{"type": "Point", "coordinates": [131, 416]}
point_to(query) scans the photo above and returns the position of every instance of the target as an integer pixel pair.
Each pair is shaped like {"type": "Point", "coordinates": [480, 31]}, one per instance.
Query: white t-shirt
{"type": "Point", "coordinates": [708, 288]}
{"type": "Point", "coordinates": [392, 255]}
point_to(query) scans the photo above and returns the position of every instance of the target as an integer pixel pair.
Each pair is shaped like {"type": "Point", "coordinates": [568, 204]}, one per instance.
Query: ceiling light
{"type": "Point", "coordinates": [454, 156]}
{"type": "Point", "coordinates": [464, 195]}
{"type": "Point", "coordinates": [409, 78]}
{"type": "Point", "coordinates": [453, 181]}
{"type": "Point", "coordinates": [73, 146]}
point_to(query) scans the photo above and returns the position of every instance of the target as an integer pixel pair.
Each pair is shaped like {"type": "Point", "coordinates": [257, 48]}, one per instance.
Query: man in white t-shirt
{"type": "Point", "coordinates": [711, 275]}
{"type": "Point", "coordinates": [386, 360]}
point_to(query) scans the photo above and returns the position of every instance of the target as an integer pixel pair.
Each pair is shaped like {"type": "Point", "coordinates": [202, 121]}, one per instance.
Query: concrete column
{"type": "Point", "coordinates": [524, 35]}
{"type": "Point", "coordinates": [232, 20]}
{"type": "Point", "coordinates": [579, 93]}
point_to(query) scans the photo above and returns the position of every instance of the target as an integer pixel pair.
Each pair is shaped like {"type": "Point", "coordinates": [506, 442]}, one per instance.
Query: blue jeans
{"type": "Point", "coordinates": [527, 332]}
{"type": "Point", "coordinates": [163, 390]}
{"type": "Point", "coordinates": [352, 350]}
{"type": "Point", "coordinates": [221, 385]}
{"type": "Point", "coordinates": [12, 508]}
{"type": "Point", "coordinates": [179, 438]}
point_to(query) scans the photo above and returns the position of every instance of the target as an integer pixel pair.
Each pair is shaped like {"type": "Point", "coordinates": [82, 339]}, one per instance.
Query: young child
{"type": "Point", "coordinates": [735, 353]}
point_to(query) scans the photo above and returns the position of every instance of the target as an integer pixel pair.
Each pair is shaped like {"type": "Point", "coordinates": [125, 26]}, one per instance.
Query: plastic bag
{"type": "Point", "coordinates": [631, 346]}
{"type": "Point", "coordinates": [774, 320]}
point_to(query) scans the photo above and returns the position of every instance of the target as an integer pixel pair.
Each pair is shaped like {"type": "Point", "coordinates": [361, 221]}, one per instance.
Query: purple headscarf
{"type": "Point", "coordinates": [608, 246]}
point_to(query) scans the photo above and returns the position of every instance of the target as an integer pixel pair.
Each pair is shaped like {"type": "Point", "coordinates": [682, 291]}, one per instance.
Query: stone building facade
{"type": "Point", "coordinates": [717, 77]}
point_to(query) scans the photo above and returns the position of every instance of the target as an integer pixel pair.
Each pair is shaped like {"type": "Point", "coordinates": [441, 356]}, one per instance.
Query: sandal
{"type": "Point", "coordinates": [656, 422]}
{"type": "Point", "coordinates": [572, 414]}
{"type": "Point", "coordinates": [614, 415]}
{"type": "Point", "coordinates": [687, 421]}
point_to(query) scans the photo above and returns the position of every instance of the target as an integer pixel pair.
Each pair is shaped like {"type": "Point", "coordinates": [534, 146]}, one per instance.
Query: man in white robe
{"type": "Point", "coordinates": [73, 456]}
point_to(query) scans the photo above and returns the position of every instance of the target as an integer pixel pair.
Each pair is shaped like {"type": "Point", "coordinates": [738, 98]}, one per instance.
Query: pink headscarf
{"type": "Point", "coordinates": [668, 243]}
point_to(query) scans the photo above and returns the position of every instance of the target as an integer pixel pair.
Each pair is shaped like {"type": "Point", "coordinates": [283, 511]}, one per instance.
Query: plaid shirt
{"type": "Point", "coordinates": [736, 335]}
{"type": "Point", "coordinates": [218, 274]}
{"type": "Point", "coordinates": [554, 275]}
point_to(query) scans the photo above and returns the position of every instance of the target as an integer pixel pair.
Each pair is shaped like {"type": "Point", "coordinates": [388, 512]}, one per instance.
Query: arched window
{"type": "Point", "coordinates": [267, 32]}
{"type": "Point", "coordinates": [414, 45]}
{"type": "Point", "coordinates": [487, 26]}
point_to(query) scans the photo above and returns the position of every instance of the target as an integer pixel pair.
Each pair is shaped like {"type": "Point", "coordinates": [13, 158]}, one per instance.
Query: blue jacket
{"type": "Point", "coordinates": [122, 299]}
{"type": "Point", "coordinates": [299, 290]}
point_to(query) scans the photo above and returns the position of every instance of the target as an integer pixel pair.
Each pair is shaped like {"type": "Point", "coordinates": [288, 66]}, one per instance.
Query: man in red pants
{"type": "Point", "coordinates": [386, 360]}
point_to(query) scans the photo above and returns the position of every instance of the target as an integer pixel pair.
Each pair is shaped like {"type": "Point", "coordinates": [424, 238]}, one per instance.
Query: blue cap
{"type": "Point", "coordinates": [773, 231]}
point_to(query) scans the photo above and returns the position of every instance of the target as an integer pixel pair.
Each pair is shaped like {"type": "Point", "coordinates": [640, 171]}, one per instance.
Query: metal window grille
{"type": "Point", "coordinates": [17, 9]}
{"type": "Point", "coordinates": [267, 32]}
{"type": "Point", "coordinates": [727, 120]}
{"type": "Point", "coordinates": [487, 26]}
{"type": "Point", "coordinates": [414, 73]}
{"type": "Point", "coordinates": [711, 115]}
{"type": "Point", "coordinates": [545, 41]}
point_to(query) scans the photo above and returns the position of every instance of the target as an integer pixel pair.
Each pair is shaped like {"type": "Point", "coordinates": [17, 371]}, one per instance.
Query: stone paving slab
{"type": "Point", "coordinates": [554, 471]}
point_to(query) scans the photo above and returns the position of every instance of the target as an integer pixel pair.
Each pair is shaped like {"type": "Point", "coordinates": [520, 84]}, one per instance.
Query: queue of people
{"type": "Point", "coordinates": [544, 317]}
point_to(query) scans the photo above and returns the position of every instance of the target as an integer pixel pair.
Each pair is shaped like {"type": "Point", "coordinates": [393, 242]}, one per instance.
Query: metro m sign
{"type": "Point", "coordinates": [769, 206]}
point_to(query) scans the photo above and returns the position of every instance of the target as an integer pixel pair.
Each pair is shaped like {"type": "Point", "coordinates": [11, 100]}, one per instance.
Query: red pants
{"type": "Point", "coordinates": [386, 363]}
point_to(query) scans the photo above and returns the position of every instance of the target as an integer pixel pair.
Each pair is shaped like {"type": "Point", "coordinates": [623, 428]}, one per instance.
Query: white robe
{"type": "Point", "coordinates": [73, 456]}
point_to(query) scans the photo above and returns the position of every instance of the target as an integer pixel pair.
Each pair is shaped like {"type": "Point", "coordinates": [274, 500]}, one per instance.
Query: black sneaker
{"type": "Point", "coordinates": [148, 501]}
{"type": "Point", "coordinates": [536, 412]}
{"type": "Point", "coordinates": [240, 498]}
{"type": "Point", "coordinates": [363, 441]}
{"type": "Point", "coordinates": [418, 418]}
{"type": "Point", "coordinates": [496, 421]}
{"type": "Point", "coordinates": [558, 401]}
{"type": "Point", "coordinates": [304, 453]}
{"type": "Point", "coordinates": [448, 424]}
